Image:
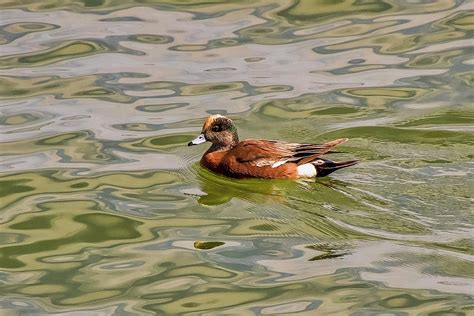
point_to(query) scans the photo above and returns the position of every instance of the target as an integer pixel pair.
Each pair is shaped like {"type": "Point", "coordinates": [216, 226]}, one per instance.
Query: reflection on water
{"type": "Point", "coordinates": [104, 209]}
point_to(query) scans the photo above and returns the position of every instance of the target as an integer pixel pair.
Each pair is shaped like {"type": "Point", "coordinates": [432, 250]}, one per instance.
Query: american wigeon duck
{"type": "Point", "coordinates": [254, 158]}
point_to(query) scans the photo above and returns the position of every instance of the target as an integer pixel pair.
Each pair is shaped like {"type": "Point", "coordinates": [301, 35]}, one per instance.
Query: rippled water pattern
{"type": "Point", "coordinates": [105, 210]}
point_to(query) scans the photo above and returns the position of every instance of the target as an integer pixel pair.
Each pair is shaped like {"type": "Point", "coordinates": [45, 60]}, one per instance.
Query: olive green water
{"type": "Point", "coordinates": [105, 211]}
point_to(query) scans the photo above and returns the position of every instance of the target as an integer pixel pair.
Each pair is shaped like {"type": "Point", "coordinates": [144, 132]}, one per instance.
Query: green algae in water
{"type": "Point", "coordinates": [206, 245]}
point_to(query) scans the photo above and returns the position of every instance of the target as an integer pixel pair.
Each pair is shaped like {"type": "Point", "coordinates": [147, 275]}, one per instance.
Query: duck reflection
{"type": "Point", "coordinates": [216, 189]}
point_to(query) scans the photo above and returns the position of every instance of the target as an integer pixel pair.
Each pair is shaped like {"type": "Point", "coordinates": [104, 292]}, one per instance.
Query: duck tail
{"type": "Point", "coordinates": [325, 167]}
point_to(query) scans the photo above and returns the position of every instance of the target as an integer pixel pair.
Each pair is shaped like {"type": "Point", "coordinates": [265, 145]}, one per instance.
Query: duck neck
{"type": "Point", "coordinates": [224, 146]}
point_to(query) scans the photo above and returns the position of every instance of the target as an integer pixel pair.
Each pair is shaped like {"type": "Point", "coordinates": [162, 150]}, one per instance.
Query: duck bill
{"type": "Point", "coordinates": [329, 167]}
{"type": "Point", "coordinates": [198, 140]}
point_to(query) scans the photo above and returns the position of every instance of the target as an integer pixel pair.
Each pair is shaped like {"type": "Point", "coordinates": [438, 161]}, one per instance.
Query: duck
{"type": "Point", "coordinates": [260, 158]}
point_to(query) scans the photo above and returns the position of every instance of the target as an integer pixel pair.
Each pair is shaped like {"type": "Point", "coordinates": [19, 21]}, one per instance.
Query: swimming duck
{"type": "Point", "coordinates": [258, 158]}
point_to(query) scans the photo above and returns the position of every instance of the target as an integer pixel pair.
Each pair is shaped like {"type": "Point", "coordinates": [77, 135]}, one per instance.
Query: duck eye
{"type": "Point", "coordinates": [216, 128]}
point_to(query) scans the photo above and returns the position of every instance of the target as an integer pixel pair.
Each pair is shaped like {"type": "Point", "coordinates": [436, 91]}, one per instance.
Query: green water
{"type": "Point", "coordinates": [105, 210]}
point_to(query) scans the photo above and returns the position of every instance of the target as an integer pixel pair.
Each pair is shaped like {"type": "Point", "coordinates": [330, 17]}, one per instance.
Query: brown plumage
{"type": "Point", "coordinates": [262, 158]}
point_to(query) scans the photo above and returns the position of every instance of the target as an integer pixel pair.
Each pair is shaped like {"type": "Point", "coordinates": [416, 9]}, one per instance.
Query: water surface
{"type": "Point", "coordinates": [105, 210]}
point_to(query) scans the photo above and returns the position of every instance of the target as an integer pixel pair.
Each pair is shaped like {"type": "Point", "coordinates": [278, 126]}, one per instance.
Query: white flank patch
{"type": "Point", "coordinates": [307, 170]}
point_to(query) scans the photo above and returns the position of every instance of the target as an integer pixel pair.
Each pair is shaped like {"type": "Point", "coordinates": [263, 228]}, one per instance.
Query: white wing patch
{"type": "Point", "coordinates": [262, 162]}
{"type": "Point", "coordinates": [307, 170]}
{"type": "Point", "coordinates": [267, 162]}
{"type": "Point", "coordinates": [279, 163]}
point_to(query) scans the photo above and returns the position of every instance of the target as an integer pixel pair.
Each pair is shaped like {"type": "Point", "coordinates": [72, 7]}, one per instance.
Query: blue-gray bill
{"type": "Point", "coordinates": [198, 140]}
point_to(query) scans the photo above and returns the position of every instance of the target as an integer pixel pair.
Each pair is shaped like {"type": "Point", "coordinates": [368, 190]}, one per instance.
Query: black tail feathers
{"type": "Point", "coordinates": [325, 167]}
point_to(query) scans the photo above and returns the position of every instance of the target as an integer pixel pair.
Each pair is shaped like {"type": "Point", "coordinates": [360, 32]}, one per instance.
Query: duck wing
{"type": "Point", "coordinates": [259, 152]}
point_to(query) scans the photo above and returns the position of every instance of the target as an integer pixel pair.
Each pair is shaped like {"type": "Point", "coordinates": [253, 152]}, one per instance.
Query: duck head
{"type": "Point", "coordinates": [220, 131]}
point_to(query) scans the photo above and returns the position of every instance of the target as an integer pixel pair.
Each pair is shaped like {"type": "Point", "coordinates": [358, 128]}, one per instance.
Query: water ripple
{"type": "Point", "coordinates": [105, 210]}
